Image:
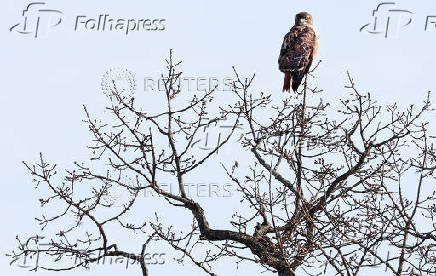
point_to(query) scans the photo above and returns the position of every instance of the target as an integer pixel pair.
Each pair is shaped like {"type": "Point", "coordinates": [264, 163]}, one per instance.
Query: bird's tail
{"type": "Point", "coordinates": [297, 79]}
{"type": "Point", "coordinates": [287, 82]}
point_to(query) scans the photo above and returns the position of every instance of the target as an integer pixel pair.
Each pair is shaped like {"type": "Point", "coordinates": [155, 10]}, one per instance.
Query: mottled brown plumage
{"type": "Point", "coordinates": [298, 50]}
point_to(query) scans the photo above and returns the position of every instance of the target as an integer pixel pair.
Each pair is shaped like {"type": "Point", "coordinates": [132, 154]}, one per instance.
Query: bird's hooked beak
{"type": "Point", "coordinates": [304, 21]}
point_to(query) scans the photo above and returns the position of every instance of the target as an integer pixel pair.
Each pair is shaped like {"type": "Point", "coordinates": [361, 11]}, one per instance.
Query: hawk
{"type": "Point", "coordinates": [299, 48]}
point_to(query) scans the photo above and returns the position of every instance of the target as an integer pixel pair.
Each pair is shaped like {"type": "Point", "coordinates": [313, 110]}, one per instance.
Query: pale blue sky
{"type": "Point", "coordinates": [45, 81]}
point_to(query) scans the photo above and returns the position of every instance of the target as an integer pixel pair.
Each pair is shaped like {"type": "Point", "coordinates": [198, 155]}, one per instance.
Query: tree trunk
{"type": "Point", "coordinates": [286, 272]}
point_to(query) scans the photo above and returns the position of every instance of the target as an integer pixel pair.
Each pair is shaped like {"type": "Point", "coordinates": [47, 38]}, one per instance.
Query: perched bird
{"type": "Point", "coordinates": [298, 50]}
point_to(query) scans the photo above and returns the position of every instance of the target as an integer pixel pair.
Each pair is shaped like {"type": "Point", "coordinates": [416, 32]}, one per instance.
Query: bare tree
{"type": "Point", "coordinates": [336, 192]}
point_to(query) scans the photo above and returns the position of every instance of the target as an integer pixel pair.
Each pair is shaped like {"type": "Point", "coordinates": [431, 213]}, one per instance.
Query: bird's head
{"type": "Point", "coordinates": [303, 19]}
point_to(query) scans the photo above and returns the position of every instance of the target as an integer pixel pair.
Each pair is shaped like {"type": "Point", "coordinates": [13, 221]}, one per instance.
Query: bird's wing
{"type": "Point", "coordinates": [297, 49]}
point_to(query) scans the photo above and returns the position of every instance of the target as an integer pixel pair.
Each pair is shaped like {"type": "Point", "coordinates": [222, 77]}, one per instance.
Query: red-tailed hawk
{"type": "Point", "coordinates": [298, 50]}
